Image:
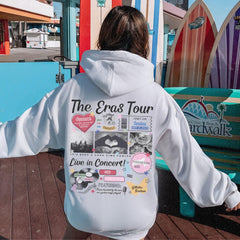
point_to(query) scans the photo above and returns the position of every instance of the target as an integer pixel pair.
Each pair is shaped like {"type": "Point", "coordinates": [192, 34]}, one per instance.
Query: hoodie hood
{"type": "Point", "coordinates": [117, 72]}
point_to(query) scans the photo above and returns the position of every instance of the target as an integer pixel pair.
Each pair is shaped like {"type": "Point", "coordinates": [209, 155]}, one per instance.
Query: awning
{"type": "Point", "coordinates": [25, 10]}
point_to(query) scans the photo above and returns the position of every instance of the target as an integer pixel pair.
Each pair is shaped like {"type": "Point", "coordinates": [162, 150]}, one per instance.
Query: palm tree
{"type": "Point", "coordinates": [221, 108]}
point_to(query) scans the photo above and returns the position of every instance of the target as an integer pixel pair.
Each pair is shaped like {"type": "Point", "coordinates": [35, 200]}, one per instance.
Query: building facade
{"type": "Point", "coordinates": [24, 10]}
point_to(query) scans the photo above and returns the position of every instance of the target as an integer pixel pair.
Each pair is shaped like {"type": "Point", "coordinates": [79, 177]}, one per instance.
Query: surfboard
{"type": "Point", "coordinates": [92, 14]}
{"type": "Point", "coordinates": [224, 64]}
{"type": "Point", "coordinates": [191, 48]}
{"type": "Point", "coordinates": [153, 12]}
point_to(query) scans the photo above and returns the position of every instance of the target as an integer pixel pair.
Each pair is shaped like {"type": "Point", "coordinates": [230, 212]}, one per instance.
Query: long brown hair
{"type": "Point", "coordinates": [124, 28]}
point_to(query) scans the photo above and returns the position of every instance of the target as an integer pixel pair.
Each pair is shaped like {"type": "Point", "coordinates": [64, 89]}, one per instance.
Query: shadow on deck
{"type": "Point", "coordinates": [32, 197]}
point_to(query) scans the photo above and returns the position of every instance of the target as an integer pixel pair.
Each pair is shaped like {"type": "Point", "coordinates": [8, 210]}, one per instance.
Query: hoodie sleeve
{"type": "Point", "coordinates": [29, 133]}
{"type": "Point", "coordinates": [191, 167]}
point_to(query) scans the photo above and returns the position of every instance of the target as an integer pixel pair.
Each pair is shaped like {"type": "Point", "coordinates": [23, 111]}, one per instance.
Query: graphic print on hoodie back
{"type": "Point", "coordinates": [111, 148]}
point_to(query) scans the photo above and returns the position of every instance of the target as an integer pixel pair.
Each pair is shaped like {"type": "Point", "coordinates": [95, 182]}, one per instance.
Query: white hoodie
{"type": "Point", "coordinates": [110, 120]}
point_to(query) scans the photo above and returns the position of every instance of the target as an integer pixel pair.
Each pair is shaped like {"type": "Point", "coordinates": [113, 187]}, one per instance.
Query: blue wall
{"type": "Point", "coordinates": [24, 84]}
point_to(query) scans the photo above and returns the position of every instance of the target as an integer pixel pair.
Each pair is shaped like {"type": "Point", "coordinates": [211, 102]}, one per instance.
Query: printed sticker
{"type": "Point", "coordinates": [83, 122]}
{"type": "Point", "coordinates": [140, 124]}
{"type": "Point", "coordinates": [84, 180]}
{"type": "Point", "coordinates": [109, 122]}
{"type": "Point", "coordinates": [136, 189]}
{"type": "Point", "coordinates": [114, 179]}
{"type": "Point", "coordinates": [141, 162]}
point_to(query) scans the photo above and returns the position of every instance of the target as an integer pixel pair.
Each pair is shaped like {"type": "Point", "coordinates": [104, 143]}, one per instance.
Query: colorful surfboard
{"type": "Point", "coordinates": [153, 12]}
{"type": "Point", "coordinates": [191, 48]}
{"type": "Point", "coordinates": [224, 64]}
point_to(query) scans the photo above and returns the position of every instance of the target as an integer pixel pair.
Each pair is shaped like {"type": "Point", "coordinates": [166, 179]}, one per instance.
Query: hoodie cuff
{"type": "Point", "coordinates": [233, 199]}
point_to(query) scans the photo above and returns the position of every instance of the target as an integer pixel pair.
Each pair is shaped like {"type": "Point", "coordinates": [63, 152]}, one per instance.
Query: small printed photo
{"type": "Point", "coordinates": [82, 142]}
{"type": "Point", "coordinates": [111, 142]}
{"type": "Point", "coordinates": [140, 143]}
{"type": "Point", "coordinates": [109, 120]}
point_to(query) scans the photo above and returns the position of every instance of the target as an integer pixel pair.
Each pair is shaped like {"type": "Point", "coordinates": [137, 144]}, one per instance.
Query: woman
{"type": "Point", "coordinates": [114, 193]}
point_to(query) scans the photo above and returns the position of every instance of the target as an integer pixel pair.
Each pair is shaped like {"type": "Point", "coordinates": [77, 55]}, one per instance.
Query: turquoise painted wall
{"type": "Point", "coordinates": [24, 84]}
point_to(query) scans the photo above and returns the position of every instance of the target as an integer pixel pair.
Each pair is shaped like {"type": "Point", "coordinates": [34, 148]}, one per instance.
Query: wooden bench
{"type": "Point", "coordinates": [214, 120]}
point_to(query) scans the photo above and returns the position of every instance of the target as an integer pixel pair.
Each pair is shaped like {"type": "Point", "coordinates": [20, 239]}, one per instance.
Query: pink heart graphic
{"type": "Point", "coordinates": [83, 122]}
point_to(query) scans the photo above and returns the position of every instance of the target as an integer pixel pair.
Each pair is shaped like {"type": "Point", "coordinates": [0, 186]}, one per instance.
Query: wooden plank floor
{"type": "Point", "coordinates": [32, 196]}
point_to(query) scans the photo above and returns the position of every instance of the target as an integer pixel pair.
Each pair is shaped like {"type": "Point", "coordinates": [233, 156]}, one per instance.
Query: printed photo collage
{"type": "Point", "coordinates": [125, 137]}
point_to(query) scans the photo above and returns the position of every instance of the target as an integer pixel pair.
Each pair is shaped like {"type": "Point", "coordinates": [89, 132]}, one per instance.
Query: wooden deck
{"type": "Point", "coordinates": [32, 196]}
